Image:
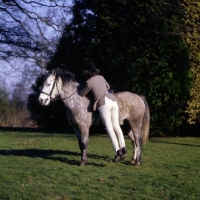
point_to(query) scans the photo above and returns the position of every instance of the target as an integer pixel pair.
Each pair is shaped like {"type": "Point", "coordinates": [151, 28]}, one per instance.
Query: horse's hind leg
{"type": "Point", "coordinates": [138, 147]}
{"type": "Point", "coordinates": [82, 137]}
{"type": "Point", "coordinates": [137, 143]}
{"type": "Point", "coordinates": [131, 136]}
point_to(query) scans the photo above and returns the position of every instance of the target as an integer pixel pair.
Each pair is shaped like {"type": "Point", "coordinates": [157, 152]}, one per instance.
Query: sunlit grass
{"type": "Point", "coordinates": [45, 167]}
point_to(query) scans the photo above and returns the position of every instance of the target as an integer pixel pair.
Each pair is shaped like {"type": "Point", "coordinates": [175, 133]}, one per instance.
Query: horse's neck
{"type": "Point", "coordinates": [70, 95]}
{"type": "Point", "coordinates": [69, 89]}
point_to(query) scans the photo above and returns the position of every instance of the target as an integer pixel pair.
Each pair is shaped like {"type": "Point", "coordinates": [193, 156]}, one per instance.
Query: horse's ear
{"type": "Point", "coordinates": [54, 72]}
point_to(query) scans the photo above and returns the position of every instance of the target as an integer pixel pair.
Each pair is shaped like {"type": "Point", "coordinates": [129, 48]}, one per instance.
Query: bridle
{"type": "Point", "coordinates": [49, 95]}
{"type": "Point", "coordinates": [56, 98]}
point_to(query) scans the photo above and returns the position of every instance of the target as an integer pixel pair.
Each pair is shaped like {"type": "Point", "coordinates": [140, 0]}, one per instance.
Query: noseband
{"type": "Point", "coordinates": [55, 98]}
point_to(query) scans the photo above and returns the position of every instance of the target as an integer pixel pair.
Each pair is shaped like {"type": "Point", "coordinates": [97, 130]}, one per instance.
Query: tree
{"type": "Point", "coordinates": [13, 105]}
{"type": "Point", "coordinates": [18, 96]}
{"type": "Point", "coordinates": [137, 47]}
{"type": "Point", "coordinates": [29, 30]}
{"type": "Point", "coordinates": [191, 21]}
{"type": "Point", "coordinates": [4, 102]}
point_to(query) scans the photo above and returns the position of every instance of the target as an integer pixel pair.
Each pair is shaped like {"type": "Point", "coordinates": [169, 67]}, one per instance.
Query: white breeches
{"type": "Point", "coordinates": [110, 116]}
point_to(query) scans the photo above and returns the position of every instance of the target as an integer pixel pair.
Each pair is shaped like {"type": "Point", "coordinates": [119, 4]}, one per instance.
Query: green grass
{"type": "Point", "coordinates": [39, 166]}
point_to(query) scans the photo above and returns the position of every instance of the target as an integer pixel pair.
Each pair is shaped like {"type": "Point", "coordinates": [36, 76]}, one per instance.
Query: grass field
{"type": "Point", "coordinates": [39, 166]}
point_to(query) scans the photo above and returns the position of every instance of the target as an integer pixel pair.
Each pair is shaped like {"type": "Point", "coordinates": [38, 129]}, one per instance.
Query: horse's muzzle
{"type": "Point", "coordinates": [44, 101]}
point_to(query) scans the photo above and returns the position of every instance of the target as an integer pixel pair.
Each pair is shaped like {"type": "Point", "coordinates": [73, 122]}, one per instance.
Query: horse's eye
{"type": "Point", "coordinates": [48, 84]}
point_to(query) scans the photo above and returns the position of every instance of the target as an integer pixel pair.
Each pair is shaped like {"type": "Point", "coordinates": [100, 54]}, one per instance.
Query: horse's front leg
{"type": "Point", "coordinates": [83, 138]}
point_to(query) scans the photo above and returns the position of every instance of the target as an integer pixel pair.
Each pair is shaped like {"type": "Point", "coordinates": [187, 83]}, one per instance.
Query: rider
{"type": "Point", "coordinates": [107, 106]}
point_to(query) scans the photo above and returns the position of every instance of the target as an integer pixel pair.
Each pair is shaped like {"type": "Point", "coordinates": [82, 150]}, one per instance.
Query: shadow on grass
{"type": "Point", "coordinates": [68, 129]}
{"type": "Point", "coordinates": [35, 130]}
{"type": "Point", "coordinates": [51, 155]}
{"type": "Point", "coordinates": [170, 142]}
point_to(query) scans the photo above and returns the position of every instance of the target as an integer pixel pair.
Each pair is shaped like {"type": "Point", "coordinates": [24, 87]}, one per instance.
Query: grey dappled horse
{"type": "Point", "coordinates": [133, 111]}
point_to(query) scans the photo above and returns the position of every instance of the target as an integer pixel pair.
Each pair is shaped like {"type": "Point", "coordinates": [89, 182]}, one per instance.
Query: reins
{"type": "Point", "coordinates": [57, 98]}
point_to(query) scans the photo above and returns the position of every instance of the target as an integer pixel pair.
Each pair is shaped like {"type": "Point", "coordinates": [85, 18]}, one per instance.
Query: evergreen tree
{"type": "Point", "coordinates": [129, 41]}
{"type": "Point", "coordinates": [191, 20]}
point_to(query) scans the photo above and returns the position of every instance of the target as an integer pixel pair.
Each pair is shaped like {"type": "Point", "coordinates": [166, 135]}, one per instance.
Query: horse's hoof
{"type": "Point", "coordinates": [137, 164]}
{"type": "Point", "coordinates": [133, 162]}
{"type": "Point", "coordinates": [83, 163]}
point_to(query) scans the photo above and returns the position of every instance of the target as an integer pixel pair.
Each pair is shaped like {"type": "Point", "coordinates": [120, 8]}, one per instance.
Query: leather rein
{"type": "Point", "coordinates": [56, 98]}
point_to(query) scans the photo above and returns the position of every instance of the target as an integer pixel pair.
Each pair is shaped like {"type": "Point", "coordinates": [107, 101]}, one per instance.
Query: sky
{"type": "Point", "coordinates": [18, 70]}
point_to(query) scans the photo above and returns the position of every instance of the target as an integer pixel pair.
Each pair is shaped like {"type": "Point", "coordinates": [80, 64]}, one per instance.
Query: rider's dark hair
{"type": "Point", "coordinates": [90, 70]}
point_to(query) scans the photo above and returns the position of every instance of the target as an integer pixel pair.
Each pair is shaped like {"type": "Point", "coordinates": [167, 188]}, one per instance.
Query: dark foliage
{"type": "Point", "coordinates": [133, 44]}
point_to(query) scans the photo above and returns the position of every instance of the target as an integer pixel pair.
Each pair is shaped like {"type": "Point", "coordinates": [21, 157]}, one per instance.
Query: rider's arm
{"type": "Point", "coordinates": [84, 90]}
{"type": "Point", "coordinates": [108, 86]}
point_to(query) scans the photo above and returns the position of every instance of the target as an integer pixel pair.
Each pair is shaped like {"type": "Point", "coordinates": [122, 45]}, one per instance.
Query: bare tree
{"type": "Point", "coordinates": [29, 31]}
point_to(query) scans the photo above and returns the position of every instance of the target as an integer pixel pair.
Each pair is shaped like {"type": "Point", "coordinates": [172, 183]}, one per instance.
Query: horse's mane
{"type": "Point", "coordinates": [65, 76]}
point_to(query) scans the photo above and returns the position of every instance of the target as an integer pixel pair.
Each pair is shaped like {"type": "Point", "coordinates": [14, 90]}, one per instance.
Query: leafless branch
{"type": "Point", "coordinates": [30, 30]}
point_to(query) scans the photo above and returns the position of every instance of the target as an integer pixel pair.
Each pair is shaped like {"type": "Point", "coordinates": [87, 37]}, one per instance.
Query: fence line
{"type": "Point", "coordinates": [18, 122]}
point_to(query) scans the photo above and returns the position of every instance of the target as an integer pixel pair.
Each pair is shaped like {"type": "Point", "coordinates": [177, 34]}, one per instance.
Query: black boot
{"type": "Point", "coordinates": [124, 152]}
{"type": "Point", "coordinates": [118, 156]}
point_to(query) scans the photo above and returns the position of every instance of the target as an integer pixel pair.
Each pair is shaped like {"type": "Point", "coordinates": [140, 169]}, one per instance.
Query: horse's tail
{"type": "Point", "coordinates": [146, 122]}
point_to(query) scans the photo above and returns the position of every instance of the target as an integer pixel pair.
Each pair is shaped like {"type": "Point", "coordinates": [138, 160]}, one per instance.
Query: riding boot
{"type": "Point", "coordinates": [118, 156]}
{"type": "Point", "coordinates": [124, 152]}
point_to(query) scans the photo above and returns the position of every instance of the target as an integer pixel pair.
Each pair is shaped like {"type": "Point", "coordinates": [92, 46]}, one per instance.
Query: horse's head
{"type": "Point", "coordinates": [49, 89]}
{"type": "Point", "coordinates": [54, 84]}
